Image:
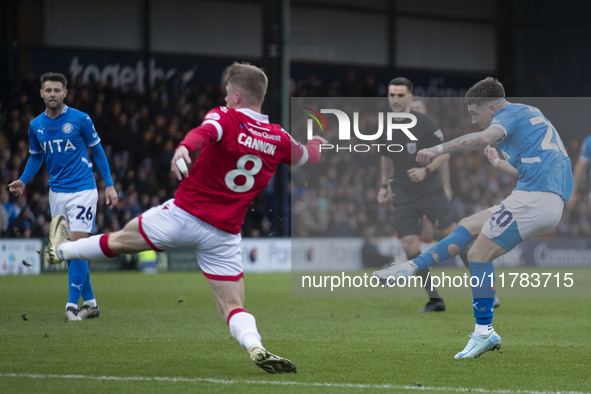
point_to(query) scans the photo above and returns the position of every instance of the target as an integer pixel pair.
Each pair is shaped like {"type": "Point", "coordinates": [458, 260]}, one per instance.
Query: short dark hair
{"type": "Point", "coordinates": [401, 81]}
{"type": "Point", "coordinates": [55, 77]}
{"type": "Point", "coordinates": [487, 90]}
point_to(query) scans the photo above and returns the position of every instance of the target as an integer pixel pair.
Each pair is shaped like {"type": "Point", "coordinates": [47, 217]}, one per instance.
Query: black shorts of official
{"type": "Point", "coordinates": [408, 217]}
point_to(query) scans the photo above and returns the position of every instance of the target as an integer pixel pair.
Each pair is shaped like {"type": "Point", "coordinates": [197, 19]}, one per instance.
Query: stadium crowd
{"type": "Point", "coordinates": [140, 132]}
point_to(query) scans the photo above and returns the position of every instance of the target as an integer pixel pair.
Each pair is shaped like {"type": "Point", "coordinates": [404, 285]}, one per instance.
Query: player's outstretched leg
{"type": "Point", "coordinates": [270, 362]}
{"type": "Point", "coordinates": [448, 247]}
{"type": "Point", "coordinates": [395, 271]}
{"type": "Point", "coordinates": [58, 233]}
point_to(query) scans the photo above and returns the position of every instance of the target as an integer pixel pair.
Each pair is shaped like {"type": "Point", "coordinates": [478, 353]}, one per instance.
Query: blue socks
{"type": "Point", "coordinates": [87, 293]}
{"type": "Point", "coordinates": [450, 246]}
{"type": "Point", "coordinates": [482, 291]}
{"type": "Point", "coordinates": [78, 277]}
{"type": "Point", "coordinates": [483, 273]}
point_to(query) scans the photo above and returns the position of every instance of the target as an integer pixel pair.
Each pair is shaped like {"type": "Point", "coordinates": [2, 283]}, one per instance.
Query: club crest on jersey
{"type": "Point", "coordinates": [67, 128]}
{"type": "Point", "coordinates": [411, 147]}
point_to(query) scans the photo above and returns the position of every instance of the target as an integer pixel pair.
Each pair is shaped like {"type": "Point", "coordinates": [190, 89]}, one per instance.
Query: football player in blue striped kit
{"type": "Point", "coordinates": [532, 152]}
{"type": "Point", "coordinates": [61, 136]}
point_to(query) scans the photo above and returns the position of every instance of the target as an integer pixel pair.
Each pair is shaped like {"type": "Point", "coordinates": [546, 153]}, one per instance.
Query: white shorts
{"type": "Point", "coordinates": [523, 215]}
{"type": "Point", "coordinates": [218, 252]}
{"type": "Point", "coordinates": [79, 208]}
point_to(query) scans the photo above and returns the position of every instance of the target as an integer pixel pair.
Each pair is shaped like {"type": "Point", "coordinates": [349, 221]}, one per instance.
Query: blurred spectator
{"type": "Point", "coordinates": [3, 221]}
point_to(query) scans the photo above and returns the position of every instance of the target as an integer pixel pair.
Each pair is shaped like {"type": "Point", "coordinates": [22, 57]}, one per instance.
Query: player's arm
{"type": "Point", "coordinates": [446, 179]}
{"type": "Point", "coordinates": [306, 154]}
{"type": "Point", "coordinates": [194, 141]}
{"type": "Point", "coordinates": [580, 176]}
{"type": "Point", "coordinates": [100, 158]}
{"type": "Point", "coordinates": [466, 143]}
{"type": "Point", "coordinates": [417, 174]}
{"type": "Point", "coordinates": [493, 158]}
{"type": "Point", "coordinates": [33, 165]}
{"type": "Point", "coordinates": [387, 171]}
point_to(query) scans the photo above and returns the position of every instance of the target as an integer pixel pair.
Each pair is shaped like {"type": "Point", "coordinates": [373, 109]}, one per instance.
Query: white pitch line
{"type": "Point", "coordinates": [279, 383]}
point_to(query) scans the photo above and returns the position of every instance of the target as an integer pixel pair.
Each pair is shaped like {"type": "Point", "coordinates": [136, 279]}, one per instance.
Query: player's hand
{"type": "Point", "coordinates": [111, 197]}
{"type": "Point", "coordinates": [491, 154]}
{"type": "Point", "coordinates": [16, 187]}
{"type": "Point", "coordinates": [424, 156]}
{"type": "Point", "coordinates": [417, 174]}
{"type": "Point", "coordinates": [384, 195]}
{"type": "Point", "coordinates": [180, 153]}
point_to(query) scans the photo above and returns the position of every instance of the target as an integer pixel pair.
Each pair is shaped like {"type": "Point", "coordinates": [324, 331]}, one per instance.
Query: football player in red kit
{"type": "Point", "coordinates": [239, 153]}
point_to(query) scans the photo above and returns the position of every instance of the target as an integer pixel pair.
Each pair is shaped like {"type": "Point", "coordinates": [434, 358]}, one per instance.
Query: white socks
{"type": "Point", "coordinates": [83, 249]}
{"type": "Point", "coordinates": [243, 327]}
{"type": "Point", "coordinates": [483, 329]}
{"type": "Point", "coordinates": [91, 303]}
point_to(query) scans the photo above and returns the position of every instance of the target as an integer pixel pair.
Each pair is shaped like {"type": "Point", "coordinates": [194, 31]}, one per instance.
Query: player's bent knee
{"type": "Point", "coordinates": [465, 222]}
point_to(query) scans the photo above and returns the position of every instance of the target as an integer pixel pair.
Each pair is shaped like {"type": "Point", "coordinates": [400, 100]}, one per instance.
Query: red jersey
{"type": "Point", "coordinates": [240, 155]}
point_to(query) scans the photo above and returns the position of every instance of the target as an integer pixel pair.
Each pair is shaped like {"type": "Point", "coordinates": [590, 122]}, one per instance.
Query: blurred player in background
{"type": "Point", "coordinates": [62, 135]}
{"type": "Point", "coordinates": [581, 176]}
{"type": "Point", "coordinates": [415, 190]}
{"type": "Point", "coordinates": [534, 153]}
{"type": "Point", "coordinates": [239, 153]}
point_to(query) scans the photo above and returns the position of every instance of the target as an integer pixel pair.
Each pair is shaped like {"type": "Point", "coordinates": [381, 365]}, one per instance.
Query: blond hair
{"type": "Point", "coordinates": [250, 79]}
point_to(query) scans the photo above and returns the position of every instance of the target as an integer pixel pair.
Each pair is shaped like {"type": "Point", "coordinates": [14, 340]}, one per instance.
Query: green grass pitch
{"type": "Point", "coordinates": [161, 333]}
